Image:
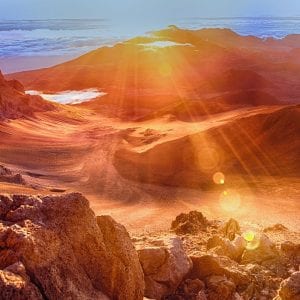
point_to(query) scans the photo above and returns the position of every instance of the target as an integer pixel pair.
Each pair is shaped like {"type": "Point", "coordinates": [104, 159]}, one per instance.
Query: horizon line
{"type": "Point", "coordinates": [110, 19]}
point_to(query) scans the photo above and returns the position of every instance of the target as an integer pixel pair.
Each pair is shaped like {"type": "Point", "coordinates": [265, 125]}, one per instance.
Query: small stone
{"type": "Point", "coordinates": [230, 229]}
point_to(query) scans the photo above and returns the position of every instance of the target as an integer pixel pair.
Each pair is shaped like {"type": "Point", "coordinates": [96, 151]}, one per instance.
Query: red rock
{"type": "Point", "coordinates": [290, 288]}
{"type": "Point", "coordinates": [164, 268]}
{"type": "Point", "coordinates": [276, 227]}
{"type": "Point", "coordinates": [189, 289]}
{"type": "Point", "coordinates": [14, 103]}
{"type": "Point", "coordinates": [224, 247]}
{"type": "Point", "coordinates": [231, 228]}
{"type": "Point", "coordinates": [126, 271]}
{"type": "Point", "coordinates": [220, 288]}
{"type": "Point", "coordinates": [208, 265]}
{"type": "Point", "coordinates": [264, 251]}
{"type": "Point", "coordinates": [16, 285]}
{"type": "Point", "coordinates": [67, 251]}
{"type": "Point", "coordinates": [192, 223]}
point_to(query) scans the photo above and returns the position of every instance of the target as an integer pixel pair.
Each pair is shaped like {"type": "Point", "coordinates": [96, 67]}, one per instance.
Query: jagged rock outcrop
{"type": "Point", "coordinates": [191, 288]}
{"type": "Point", "coordinates": [66, 252]}
{"type": "Point", "coordinates": [220, 288]}
{"type": "Point", "coordinates": [251, 266]}
{"type": "Point", "coordinates": [190, 223]}
{"type": "Point", "coordinates": [14, 103]}
{"type": "Point", "coordinates": [164, 268]}
{"type": "Point", "coordinates": [6, 175]}
{"type": "Point", "coordinates": [264, 250]}
{"type": "Point", "coordinates": [125, 271]}
{"type": "Point", "coordinates": [292, 251]}
{"type": "Point", "coordinates": [231, 228]}
{"type": "Point", "coordinates": [276, 227]}
{"type": "Point", "coordinates": [209, 265]}
{"type": "Point", "coordinates": [16, 284]}
{"type": "Point", "coordinates": [225, 247]}
{"type": "Point", "coordinates": [5, 171]}
{"type": "Point", "coordinates": [290, 288]}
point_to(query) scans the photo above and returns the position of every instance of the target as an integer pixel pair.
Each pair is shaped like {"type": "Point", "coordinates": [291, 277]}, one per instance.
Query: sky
{"type": "Point", "coordinates": [145, 10]}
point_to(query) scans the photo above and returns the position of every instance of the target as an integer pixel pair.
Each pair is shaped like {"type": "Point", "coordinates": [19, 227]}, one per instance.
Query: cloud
{"type": "Point", "coordinates": [70, 97]}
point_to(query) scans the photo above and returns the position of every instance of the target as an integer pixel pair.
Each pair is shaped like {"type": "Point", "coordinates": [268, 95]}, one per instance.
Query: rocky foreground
{"type": "Point", "coordinates": [54, 247]}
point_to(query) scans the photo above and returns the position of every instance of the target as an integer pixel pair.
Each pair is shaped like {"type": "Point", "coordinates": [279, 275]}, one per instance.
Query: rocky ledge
{"type": "Point", "coordinates": [7, 175]}
{"type": "Point", "coordinates": [54, 247]}
{"type": "Point", "coordinates": [200, 259]}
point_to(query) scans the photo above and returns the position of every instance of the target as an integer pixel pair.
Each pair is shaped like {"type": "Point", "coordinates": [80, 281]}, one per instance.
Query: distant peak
{"type": "Point", "coordinates": [174, 27]}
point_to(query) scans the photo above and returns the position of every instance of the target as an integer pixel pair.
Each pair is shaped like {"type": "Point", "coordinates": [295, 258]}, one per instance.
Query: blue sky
{"type": "Point", "coordinates": [145, 10]}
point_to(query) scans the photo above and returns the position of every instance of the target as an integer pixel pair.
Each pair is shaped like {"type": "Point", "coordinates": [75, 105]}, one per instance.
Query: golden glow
{"type": "Point", "coordinates": [252, 239]}
{"type": "Point", "coordinates": [165, 69]}
{"type": "Point", "coordinates": [208, 158]}
{"type": "Point", "coordinates": [219, 178]}
{"type": "Point", "coordinates": [230, 200]}
{"type": "Point", "coordinates": [249, 236]}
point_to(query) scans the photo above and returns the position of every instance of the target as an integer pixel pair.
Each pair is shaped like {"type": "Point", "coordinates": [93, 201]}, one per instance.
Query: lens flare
{"type": "Point", "coordinates": [219, 178]}
{"type": "Point", "coordinates": [252, 239]}
{"type": "Point", "coordinates": [230, 200]}
{"type": "Point", "coordinates": [208, 159]}
{"type": "Point", "coordinates": [249, 236]}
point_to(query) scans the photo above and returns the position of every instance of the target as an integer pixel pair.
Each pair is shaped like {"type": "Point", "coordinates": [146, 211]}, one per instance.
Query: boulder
{"type": "Point", "coordinates": [265, 283]}
{"type": "Point", "coordinates": [225, 247]}
{"type": "Point", "coordinates": [126, 270]}
{"type": "Point", "coordinates": [291, 249]}
{"type": "Point", "coordinates": [276, 227]}
{"type": "Point", "coordinates": [209, 265]}
{"type": "Point", "coordinates": [15, 284]}
{"type": "Point", "coordinates": [220, 288]}
{"type": "Point", "coordinates": [190, 289]}
{"type": "Point", "coordinates": [290, 288]}
{"type": "Point", "coordinates": [67, 252]}
{"type": "Point", "coordinates": [230, 229]}
{"type": "Point", "coordinates": [264, 250]}
{"type": "Point", "coordinates": [190, 223]}
{"type": "Point", "coordinates": [292, 252]}
{"type": "Point", "coordinates": [164, 268]}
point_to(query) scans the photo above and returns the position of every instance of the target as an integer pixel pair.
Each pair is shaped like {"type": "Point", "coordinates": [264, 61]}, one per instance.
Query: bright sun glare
{"type": "Point", "coordinates": [230, 200]}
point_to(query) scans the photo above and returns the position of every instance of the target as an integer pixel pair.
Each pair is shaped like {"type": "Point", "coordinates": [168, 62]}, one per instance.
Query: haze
{"type": "Point", "coordinates": [144, 10]}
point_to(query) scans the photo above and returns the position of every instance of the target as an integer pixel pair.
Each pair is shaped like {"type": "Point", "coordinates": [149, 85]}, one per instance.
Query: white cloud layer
{"type": "Point", "coordinates": [70, 97]}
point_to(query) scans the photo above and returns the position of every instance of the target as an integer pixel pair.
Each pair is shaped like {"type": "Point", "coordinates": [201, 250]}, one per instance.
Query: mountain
{"type": "Point", "coordinates": [189, 102]}
{"type": "Point", "coordinates": [160, 69]}
{"type": "Point", "coordinates": [183, 107]}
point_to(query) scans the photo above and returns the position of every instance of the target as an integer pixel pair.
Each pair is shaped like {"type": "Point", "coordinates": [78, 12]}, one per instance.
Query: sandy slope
{"type": "Point", "coordinates": [76, 150]}
{"type": "Point", "coordinates": [173, 117]}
